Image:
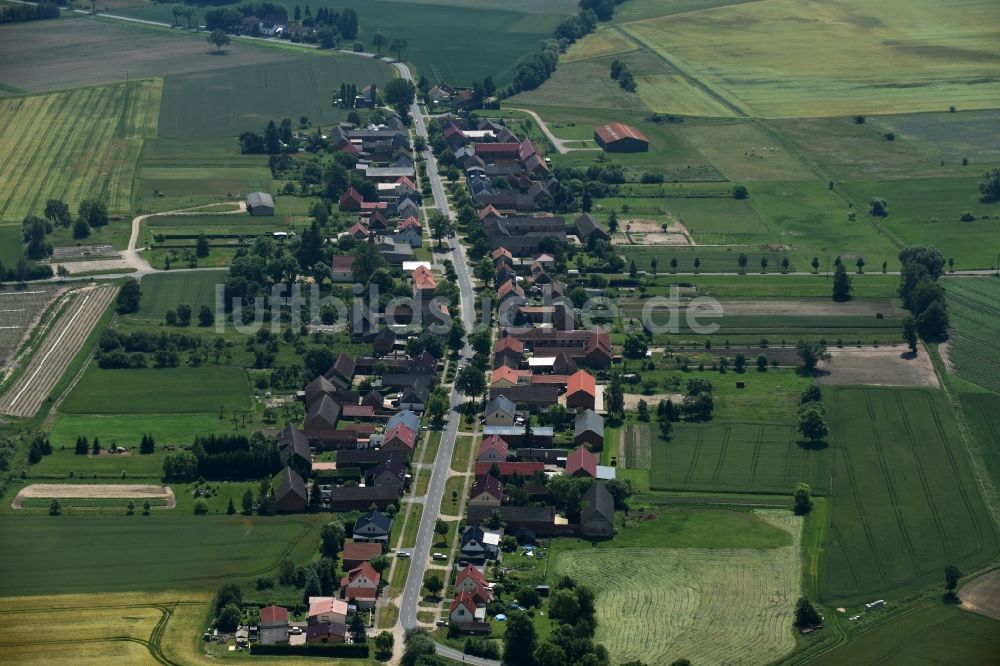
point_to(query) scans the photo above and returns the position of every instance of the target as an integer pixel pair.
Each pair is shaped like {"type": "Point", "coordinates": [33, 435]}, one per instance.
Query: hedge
{"type": "Point", "coordinates": [317, 650]}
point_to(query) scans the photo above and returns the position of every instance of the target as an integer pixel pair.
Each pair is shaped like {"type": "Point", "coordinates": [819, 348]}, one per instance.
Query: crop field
{"type": "Point", "coordinates": [929, 635]}
{"type": "Point", "coordinates": [904, 502]}
{"type": "Point", "coordinates": [974, 311]}
{"type": "Point", "coordinates": [180, 390]}
{"type": "Point", "coordinates": [56, 351]}
{"type": "Point", "coordinates": [11, 246]}
{"type": "Point", "coordinates": [868, 285]}
{"type": "Point", "coordinates": [20, 308]}
{"type": "Point", "coordinates": [720, 606]}
{"type": "Point", "coordinates": [80, 51]}
{"type": "Point", "coordinates": [165, 551]}
{"type": "Point", "coordinates": [637, 447]}
{"type": "Point", "coordinates": [950, 136]}
{"type": "Point", "coordinates": [73, 145]}
{"type": "Point", "coordinates": [227, 102]}
{"type": "Point", "coordinates": [983, 413]}
{"type": "Point", "coordinates": [852, 57]}
{"type": "Point", "coordinates": [164, 291]}
{"type": "Point", "coordinates": [743, 457]}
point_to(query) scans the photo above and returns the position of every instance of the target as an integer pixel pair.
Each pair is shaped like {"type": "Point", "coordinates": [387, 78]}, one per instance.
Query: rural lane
{"type": "Point", "coordinates": [557, 143]}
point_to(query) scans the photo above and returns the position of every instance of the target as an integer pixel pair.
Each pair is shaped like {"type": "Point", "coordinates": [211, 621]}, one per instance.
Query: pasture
{"type": "Point", "coordinates": [228, 101]}
{"type": "Point", "coordinates": [164, 291]}
{"type": "Point", "coordinates": [718, 605]}
{"type": "Point", "coordinates": [852, 57]}
{"type": "Point", "coordinates": [74, 145]}
{"type": "Point", "coordinates": [904, 502]}
{"type": "Point", "coordinates": [931, 634]}
{"type": "Point", "coordinates": [182, 390]}
{"type": "Point", "coordinates": [164, 551]}
{"type": "Point", "coordinates": [973, 350]}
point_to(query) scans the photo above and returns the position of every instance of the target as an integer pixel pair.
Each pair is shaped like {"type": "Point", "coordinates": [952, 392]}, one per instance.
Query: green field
{"type": "Point", "coordinates": [73, 145]}
{"type": "Point", "coordinates": [11, 246]}
{"type": "Point", "coordinates": [904, 502]}
{"type": "Point", "coordinates": [158, 552]}
{"type": "Point", "coordinates": [869, 285]}
{"type": "Point", "coordinates": [227, 102]}
{"type": "Point", "coordinates": [159, 391]}
{"type": "Point", "coordinates": [927, 635]}
{"type": "Point", "coordinates": [716, 605]}
{"type": "Point", "coordinates": [982, 410]}
{"type": "Point", "coordinates": [164, 291]}
{"type": "Point", "coordinates": [974, 312]}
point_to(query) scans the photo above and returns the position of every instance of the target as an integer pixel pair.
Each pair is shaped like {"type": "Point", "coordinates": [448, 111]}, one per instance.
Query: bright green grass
{"type": "Point", "coordinates": [11, 248]}
{"type": "Point", "coordinates": [928, 212]}
{"type": "Point", "coordinates": [165, 291]}
{"type": "Point", "coordinates": [713, 259]}
{"type": "Point", "coordinates": [929, 635]}
{"type": "Point", "coordinates": [904, 500]}
{"type": "Point", "coordinates": [81, 553]}
{"type": "Point", "coordinates": [974, 319]}
{"type": "Point", "coordinates": [74, 145]}
{"type": "Point", "coordinates": [228, 102]}
{"type": "Point", "coordinates": [159, 391]}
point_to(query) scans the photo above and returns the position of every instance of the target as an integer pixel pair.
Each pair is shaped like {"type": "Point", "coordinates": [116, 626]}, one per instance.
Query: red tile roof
{"type": "Point", "coordinates": [400, 431]}
{"type": "Point", "coordinates": [503, 373]}
{"type": "Point", "coordinates": [271, 615]}
{"type": "Point", "coordinates": [351, 195]}
{"type": "Point", "coordinates": [510, 468]}
{"type": "Point", "coordinates": [486, 484]}
{"type": "Point", "coordinates": [493, 442]}
{"type": "Point", "coordinates": [488, 211]}
{"type": "Point", "coordinates": [471, 572]}
{"type": "Point", "coordinates": [581, 381]}
{"type": "Point", "coordinates": [580, 459]}
{"type": "Point", "coordinates": [509, 343]}
{"type": "Point", "coordinates": [354, 551]}
{"type": "Point", "coordinates": [466, 599]}
{"type": "Point", "coordinates": [614, 131]}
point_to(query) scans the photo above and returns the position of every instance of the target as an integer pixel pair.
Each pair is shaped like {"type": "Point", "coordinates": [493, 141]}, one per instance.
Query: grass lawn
{"type": "Point", "coordinates": [159, 391]}
{"type": "Point", "coordinates": [452, 495]}
{"type": "Point", "coordinates": [462, 453]}
{"type": "Point", "coordinates": [11, 245]}
{"type": "Point", "coordinates": [157, 552]}
{"type": "Point", "coordinates": [165, 291]}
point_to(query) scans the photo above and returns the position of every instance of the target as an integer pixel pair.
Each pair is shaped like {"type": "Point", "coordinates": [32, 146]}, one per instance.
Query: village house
{"type": "Point", "coordinates": [597, 512]}
{"type": "Point", "coordinates": [486, 490]}
{"type": "Point", "coordinates": [359, 498]}
{"type": "Point", "coordinates": [293, 449]}
{"type": "Point", "coordinates": [391, 472]}
{"type": "Point", "coordinates": [291, 496]}
{"type": "Point", "coordinates": [492, 449]}
{"type": "Point", "coordinates": [361, 585]}
{"type": "Point", "coordinates": [341, 270]}
{"type": "Point", "coordinates": [479, 545]}
{"type": "Point", "coordinates": [589, 429]}
{"type": "Point", "coordinates": [327, 610]}
{"type": "Point", "coordinates": [581, 463]}
{"type": "Point", "coordinates": [581, 391]}
{"type": "Point", "coordinates": [273, 625]}
{"type": "Point", "coordinates": [374, 526]}
{"type": "Point", "coordinates": [326, 632]}
{"type": "Point", "coordinates": [500, 411]}
{"type": "Point", "coordinates": [356, 552]}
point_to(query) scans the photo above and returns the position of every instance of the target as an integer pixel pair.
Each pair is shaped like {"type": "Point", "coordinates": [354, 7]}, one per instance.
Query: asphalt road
{"type": "Point", "coordinates": [442, 464]}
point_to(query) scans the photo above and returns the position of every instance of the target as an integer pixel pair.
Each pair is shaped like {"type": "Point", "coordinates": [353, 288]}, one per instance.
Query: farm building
{"type": "Point", "coordinates": [260, 203]}
{"type": "Point", "coordinates": [619, 138]}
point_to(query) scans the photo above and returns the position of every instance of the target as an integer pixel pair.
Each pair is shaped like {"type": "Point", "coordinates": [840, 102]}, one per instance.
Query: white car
{"type": "Point", "coordinates": [295, 631]}
{"type": "Point", "coordinates": [402, 553]}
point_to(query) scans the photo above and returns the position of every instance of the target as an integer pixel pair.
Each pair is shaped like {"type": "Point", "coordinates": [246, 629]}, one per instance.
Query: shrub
{"type": "Point", "coordinates": [967, 216]}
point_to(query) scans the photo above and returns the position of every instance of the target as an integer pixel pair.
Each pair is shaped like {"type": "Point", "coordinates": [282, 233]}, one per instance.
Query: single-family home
{"type": "Point", "coordinates": [361, 585]}
{"type": "Point", "coordinates": [471, 580]}
{"type": "Point", "coordinates": [465, 613]}
{"type": "Point", "coordinates": [355, 553]}
{"type": "Point", "coordinates": [390, 472]}
{"type": "Point", "coordinates": [406, 418]}
{"type": "Point", "coordinates": [291, 496]}
{"type": "Point", "coordinates": [341, 372]}
{"type": "Point", "coordinates": [399, 438]}
{"type": "Point", "coordinates": [486, 491]}
{"type": "Point", "coordinates": [492, 449]}
{"type": "Point", "coordinates": [326, 632]}
{"type": "Point", "coordinates": [293, 449]}
{"type": "Point", "coordinates": [479, 545]}
{"type": "Point", "coordinates": [500, 411]}
{"type": "Point", "coordinates": [597, 511]}
{"type": "Point", "coordinates": [351, 200]}
{"type": "Point", "coordinates": [327, 609]}
{"type": "Point", "coordinates": [414, 397]}
{"type": "Point", "coordinates": [373, 526]}
{"type": "Point", "coordinates": [589, 429]}
{"type": "Point", "coordinates": [581, 463]}
{"type": "Point", "coordinates": [273, 625]}
{"type": "Point", "coordinates": [581, 391]}
{"type": "Point", "coordinates": [506, 377]}
{"type": "Point", "coordinates": [341, 268]}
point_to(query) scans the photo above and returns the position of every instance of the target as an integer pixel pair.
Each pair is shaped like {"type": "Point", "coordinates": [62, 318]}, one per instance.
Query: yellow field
{"type": "Point", "coordinates": [779, 58]}
{"type": "Point", "coordinates": [605, 41]}
{"type": "Point", "coordinates": [677, 94]}
{"type": "Point", "coordinates": [713, 606]}
{"type": "Point", "coordinates": [74, 145]}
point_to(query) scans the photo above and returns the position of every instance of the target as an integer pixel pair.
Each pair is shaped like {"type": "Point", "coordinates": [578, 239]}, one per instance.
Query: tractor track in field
{"type": "Point", "coordinates": [756, 452]}
{"type": "Point", "coordinates": [697, 454]}
{"type": "Point", "coordinates": [945, 542]}
{"type": "Point", "coordinates": [884, 466]}
{"type": "Point", "coordinates": [859, 505]}
{"type": "Point", "coordinates": [54, 354]}
{"type": "Point", "coordinates": [722, 452]}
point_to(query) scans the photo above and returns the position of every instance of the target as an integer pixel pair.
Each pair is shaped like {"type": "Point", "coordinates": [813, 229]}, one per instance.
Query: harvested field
{"type": "Point", "coordinates": [982, 595]}
{"type": "Point", "coordinates": [95, 491]}
{"type": "Point", "coordinates": [20, 310]}
{"type": "Point", "coordinates": [74, 145]}
{"type": "Point", "coordinates": [56, 351]}
{"type": "Point", "coordinates": [886, 366]}
{"type": "Point", "coordinates": [721, 606]}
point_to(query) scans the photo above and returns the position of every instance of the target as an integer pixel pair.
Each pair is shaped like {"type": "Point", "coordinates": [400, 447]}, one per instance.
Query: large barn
{"type": "Point", "coordinates": [260, 203]}
{"type": "Point", "coordinates": [619, 138]}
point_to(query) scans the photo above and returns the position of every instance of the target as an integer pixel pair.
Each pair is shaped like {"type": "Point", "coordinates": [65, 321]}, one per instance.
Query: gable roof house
{"type": "Point", "coordinates": [361, 584]}
{"type": "Point", "coordinates": [341, 267]}
{"type": "Point", "coordinates": [466, 614]}
{"type": "Point", "coordinates": [414, 397]}
{"type": "Point", "coordinates": [597, 511]}
{"type": "Point", "coordinates": [359, 498]}
{"type": "Point", "coordinates": [341, 372]}
{"type": "Point", "coordinates": [586, 228]}
{"type": "Point", "coordinates": [291, 496]}
{"type": "Point", "coordinates": [355, 553]}
{"type": "Point", "coordinates": [500, 411]}
{"type": "Point", "coordinates": [384, 341]}
{"type": "Point", "coordinates": [322, 416]}
{"type": "Point", "coordinates": [325, 633]}
{"type": "Point", "coordinates": [581, 391]}
{"type": "Point", "coordinates": [328, 609]}
{"type": "Point", "coordinates": [293, 448]}
{"type": "Point", "coordinates": [471, 580]}
{"type": "Point", "coordinates": [317, 388]}
{"type": "Point", "coordinates": [581, 463]}
{"type": "Point", "coordinates": [479, 545]}
{"type": "Point", "coordinates": [589, 429]}
{"type": "Point", "coordinates": [505, 377]}
{"type": "Point", "coordinates": [373, 526]}
{"type": "Point", "coordinates": [390, 472]}
{"type": "Point", "coordinates": [351, 200]}
{"type": "Point", "coordinates": [486, 491]}
{"type": "Point", "coordinates": [399, 438]}
{"type": "Point", "coordinates": [273, 625]}
{"type": "Point", "coordinates": [405, 417]}
{"type": "Point", "coordinates": [260, 203]}
{"type": "Point", "coordinates": [492, 449]}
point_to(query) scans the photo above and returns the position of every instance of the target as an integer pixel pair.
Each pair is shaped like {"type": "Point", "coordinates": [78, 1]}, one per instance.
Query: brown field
{"type": "Point", "coordinates": [20, 310]}
{"type": "Point", "coordinates": [982, 595]}
{"type": "Point", "coordinates": [886, 366]}
{"type": "Point", "coordinates": [79, 51]}
{"type": "Point", "coordinates": [94, 491]}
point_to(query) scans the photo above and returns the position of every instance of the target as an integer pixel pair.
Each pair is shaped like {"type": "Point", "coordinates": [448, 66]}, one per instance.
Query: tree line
{"type": "Point", "coordinates": [20, 13]}
{"type": "Point", "coordinates": [224, 457]}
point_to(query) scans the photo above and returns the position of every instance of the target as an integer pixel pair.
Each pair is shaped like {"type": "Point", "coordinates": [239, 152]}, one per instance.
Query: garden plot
{"type": "Point", "coordinates": [19, 313]}
{"type": "Point", "coordinates": [720, 606]}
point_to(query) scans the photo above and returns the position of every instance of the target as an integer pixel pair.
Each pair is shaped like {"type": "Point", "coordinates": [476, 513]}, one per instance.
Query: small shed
{"type": "Point", "coordinates": [260, 203]}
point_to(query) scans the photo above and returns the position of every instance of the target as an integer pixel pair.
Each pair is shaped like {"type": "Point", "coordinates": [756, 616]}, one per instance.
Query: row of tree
{"type": "Point", "coordinates": [922, 295]}
{"type": "Point", "coordinates": [20, 13]}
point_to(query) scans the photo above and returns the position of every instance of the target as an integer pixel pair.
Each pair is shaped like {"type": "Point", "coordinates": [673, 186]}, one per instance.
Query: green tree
{"type": "Point", "coordinates": [229, 618]}
{"type": "Point", "coordinates": [397, 46]}
{"type": "Point", "coordinates": [879, 207]}
{"type": "Point", "coordinates": [181, 466]}
{"type": "Point", "coordinates": [202, 248]}
{"type": "Point", "coordinates": [550, 654]}
{"type": "Point", "coordinates": [55, 508]}
{"type": "Point", "coordinates": [218, 38]}
{"type": "Point", "coordinates": [615, 398]}
{"type": "Point", "coordinates": [951, 577]}
{"type": "Point", "coordinates": [742, 262]}
{"type": "Point", "coordinates": [58, 212]}
{"type": "Point", "coordinates": [247, 502]}
{"type": "Point", "coordinates": [810, 354]}
{"type": "Point", "coordinates": [989, 186]}
{"type": "Point", "coordinates": [400, 93]}
{"type": "Point", "coordinates": [183, 314]}
{"type": "Point", "coordinates": [740, 192]}
{"type": "Point", "coordinates": [841, 284]}
{"type": "Point", "coordinates": [379, 41]}
{"type": "Point", "coordinates": [200, 507]}
{"type": "Point", "coordinates": [434, 585]}
{"type": "Point", "coordinates": [815, 264]}
{"type": "Point", "coordinates": [643, 410]}
{"type": "Point", "coordinates": [331, 538]}
{"type": "Point", "coordinates": [146, 506]}
{"type": "Point", "coordinates": [440, 528]}
{"type": "Point", "coordinates": [383, 645]}
{"type": "Point", "coordinates": [129, 297]}
{"type": "Point", "coordinates": [806, 614]}
{"type": "Point", "coordinates": [802, 499]}
{"type": "Point", "coordinates": [812, 422]}
{"type": "Point", "coordinates": [910, 332]}
{"type": "Point", "coordinates": [230, 508]}
{"type": "Point", "coordinates": [205, 316]}
{"type": "Point", "coordinates": [520, 639]}
{"type": "Point", "coordinates": [228, 594]}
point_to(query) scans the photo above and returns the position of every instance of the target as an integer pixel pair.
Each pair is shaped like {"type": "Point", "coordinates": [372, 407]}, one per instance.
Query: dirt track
{"type": "Point", "coordinates": [56, 351]}
{"type": "Point", "coordinates": [94, 491]}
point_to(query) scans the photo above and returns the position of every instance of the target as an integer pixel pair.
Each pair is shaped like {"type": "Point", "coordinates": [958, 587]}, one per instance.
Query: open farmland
{"type": "Point", "coordinates": [852, 57]}
{"type": "Point", "coordinates": [54, 354]}
{"type": "Point", "coordinates": [74, 145]}
{"type": "Point", "coordinates": [163, 291]}
{"type": "Point", "coordinates": [982, 595]}
{"type": "Point", "coordinates": [720, 606]}
{"type": "Point", "coordinates": [927, 635]}
{"type": "Point", "coordinates": [983, 413]}
{"type": "Point", "coordinates": [159, 391]}
{"type": "Point", "coordinates": [227, 102]}
{"type": "Point", "coordinates": [20, 310]}
{"type": "Point", "coordinates": [904, 499]}
{"type": "Point", "coordinates": [974, 348]}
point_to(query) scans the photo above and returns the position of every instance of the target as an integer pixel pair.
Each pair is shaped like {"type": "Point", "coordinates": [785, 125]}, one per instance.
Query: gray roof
{"type": "Point", "coordinates": [589, 420]}
{"type": "Point", "coordinates": [255, 199]}
{"type": "Point", "coordinates": [517, 431]}
{"type": "Point", "coordinates": [376, 518]}
{"type": "Point", "coordinates": [405, 417]}
{"type": "Point", "coordinates": [388, 172]}
{"type": "Point", "coordinates": [597, 501]}
{"type": "Point", "coordinates": [291, 482]}
{"type": "Point", "coordinates": [323, 413]}
{"type": "Point", "coordinates": [501, 403]}
{"type": "Point", "coordinates": [292, 440]}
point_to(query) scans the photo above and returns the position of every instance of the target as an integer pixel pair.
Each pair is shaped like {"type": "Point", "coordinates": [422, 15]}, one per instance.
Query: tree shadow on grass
{"type": "Point", "coordinates": [808, 445]}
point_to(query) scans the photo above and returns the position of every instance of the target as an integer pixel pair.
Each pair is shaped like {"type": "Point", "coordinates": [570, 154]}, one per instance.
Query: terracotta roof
{"type": "Point", "coordinates": [465, 599]}
{"type": "Point", "coordinates": [357, 411]}
{"type": "Point", "coordinates": [343, 262]}
{"type": "Point", "coordinates": [400, 431]}
{"type": "Point", "coordinates": [351, 195]}
{"type": "Point", "coordinates": [471, 572]}
{"type": "Point", "coordinates": [320, 605]}
{"type": "Point", "coordinates": [503, 373]}
{"type": "Point", "coordinates": [558, 380]}
{"type": "Point", "coordinates": [489, 210]}
{"type": "Point", "coordinates": [509, 343]}
{"type": "Point", "coordinates": [580, 459]}
{"type": "Point", "coordinates": [581, 381]}
{"type": "Point", "coordinates": [423, 279]}
{"type": "Point", "coordinates": [363, 569]}
{"type": "Point", "coordinates": [494, 442]}
{"type": "Point", "coordinates": [360, 551]}
{"type": "Point", "coordinates": [271, 615]}
{"type": "Point", "coordinates": [507, 469]}
{"type": "Point", "coordinates": [614, 131]}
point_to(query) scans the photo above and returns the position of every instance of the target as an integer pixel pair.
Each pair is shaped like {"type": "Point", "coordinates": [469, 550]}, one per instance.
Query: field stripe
{"type": "Point", "coordinates": [727, 432]}
{"type": "Point", "coordinates": [756, 452]}
{"type": "Point", "coordinates": [697, 454]}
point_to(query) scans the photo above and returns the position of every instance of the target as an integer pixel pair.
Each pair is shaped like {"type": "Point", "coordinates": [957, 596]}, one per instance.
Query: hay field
{"type": "Point", "coordinates": [78, 144]}
{"type": "Point", "coordinates": [717, 606]}
{"type": "Point", "coordinates": [606, 40]}
{"type": "Point", "coordinates": [794, 58]}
